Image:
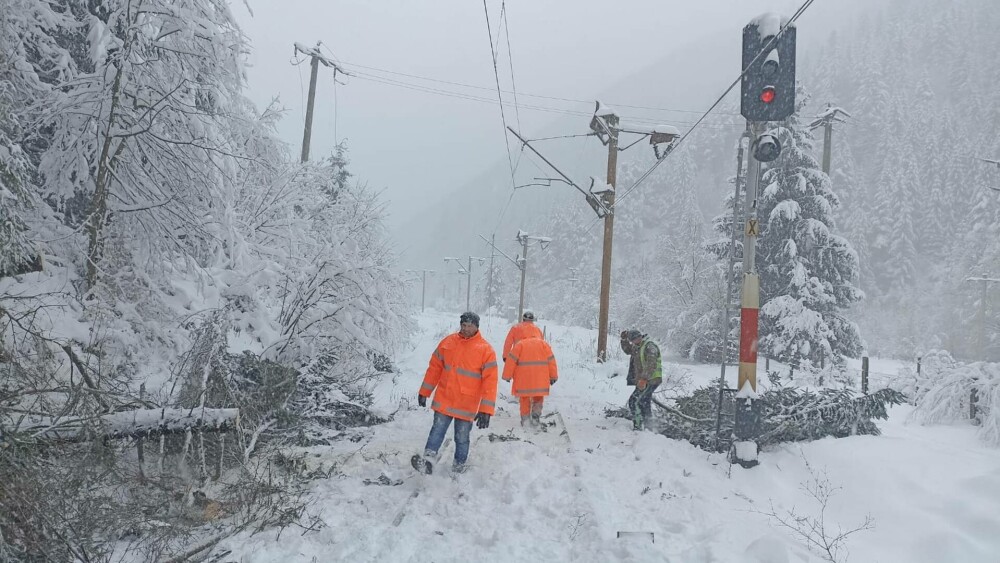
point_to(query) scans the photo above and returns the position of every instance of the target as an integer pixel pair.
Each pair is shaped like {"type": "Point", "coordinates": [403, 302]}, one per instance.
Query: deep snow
{"type": "Point", "coordinates": [933, 493]}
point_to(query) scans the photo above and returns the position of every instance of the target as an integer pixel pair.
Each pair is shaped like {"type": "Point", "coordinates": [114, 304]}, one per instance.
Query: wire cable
{"type": "Point", "coordinates": [589, 103]}
{"type": "Point", "coordinates": [465, 96]}
{"type": "Point", "coordinates": [496, 75]}
{"type": "Point", "coordinates": [510, 62]}
{"type": "Point", "coordinates": [513, 84]}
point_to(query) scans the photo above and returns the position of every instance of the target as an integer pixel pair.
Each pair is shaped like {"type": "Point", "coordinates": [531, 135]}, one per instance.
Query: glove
{"type": "Point", "coordinates": [483, 420]}
{"type": "Point", "coordinates": [421, 400]}
{"type": "Point", "coordinates": [641, 384]}
{"type": "Point", "coordinates": [552, 381]}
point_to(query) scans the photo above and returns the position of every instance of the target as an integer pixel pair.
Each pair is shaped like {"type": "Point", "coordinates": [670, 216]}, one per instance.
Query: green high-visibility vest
{"type": "Point", "coordinates": [658, 372]}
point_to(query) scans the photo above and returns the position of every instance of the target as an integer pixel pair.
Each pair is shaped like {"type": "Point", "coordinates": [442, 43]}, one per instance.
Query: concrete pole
{"type": "Point", "coordinates": [468, 284]}
{"type": "Point", "coordinates": [524, 273]}
{"type": "Point", "coordinates": [609, 234]}
{"type": "Point", "coordinates": [489, 287]}
{"type": "Point", "coordinates": [307, 134]}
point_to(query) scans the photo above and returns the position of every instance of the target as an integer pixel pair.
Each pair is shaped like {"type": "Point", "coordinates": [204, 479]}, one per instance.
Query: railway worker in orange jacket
{"type": "Point", "coordinates": [462, 374]}
{"type": "Point", "coordinates": [532, 366]}
{"type": "Point", "coordinates": [524, 329]}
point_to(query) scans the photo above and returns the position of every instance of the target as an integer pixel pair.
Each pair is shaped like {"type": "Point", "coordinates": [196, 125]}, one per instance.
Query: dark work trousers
{"type": "Point", "coordinates": [640, 404]}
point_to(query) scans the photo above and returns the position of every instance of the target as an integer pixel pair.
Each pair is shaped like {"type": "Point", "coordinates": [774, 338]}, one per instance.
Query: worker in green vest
{"type": "Point", "coordinates": [648, 376]}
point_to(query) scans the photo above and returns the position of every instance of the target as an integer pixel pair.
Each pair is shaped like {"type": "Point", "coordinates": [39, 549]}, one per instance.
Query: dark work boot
{"type": "Point", "coordinates": [422, 464]}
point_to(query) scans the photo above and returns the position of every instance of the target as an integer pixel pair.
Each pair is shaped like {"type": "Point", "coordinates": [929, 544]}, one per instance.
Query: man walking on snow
{"type": "Point", "coordinates": [462, 374]}
{"type": "Point", "coordinates": [524, 329]}
{"type": "Point", "coordinates": [648, 376]}
{"type": "Point", "coordinates": [532, 366]}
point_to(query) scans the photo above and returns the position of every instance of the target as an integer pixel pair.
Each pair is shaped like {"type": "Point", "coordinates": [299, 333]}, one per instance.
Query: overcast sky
{"type": "Point", "coordinates": [417, 145]}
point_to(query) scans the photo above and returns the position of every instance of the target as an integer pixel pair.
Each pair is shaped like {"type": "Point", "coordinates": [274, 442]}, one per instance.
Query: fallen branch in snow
{"type": "Point", "coordinates": [676, 412]}
{"type": "Point", "coordinates": [143, 423]}
{"type": "Point", "coordinates": [86, 377]}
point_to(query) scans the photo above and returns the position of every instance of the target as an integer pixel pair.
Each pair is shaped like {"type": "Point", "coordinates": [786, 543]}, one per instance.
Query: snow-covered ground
{"type": "Point", "coordinates": [933, 493]}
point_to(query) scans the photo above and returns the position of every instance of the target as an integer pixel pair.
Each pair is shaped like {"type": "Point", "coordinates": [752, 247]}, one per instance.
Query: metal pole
{"type": "Point", "coordinates": [307, 134]}
{"type": "Point", "coordinates": [864, 373]}
{"type": "Point", "coordinates": [827, 143]}
{"type": "Point", "coordinates": [609, 233]}
{"type": "Point", "coordinates": [724, 323]}
{"type": "Point", "coordinates": [524, 273]}
{"type": "Point", "coordinates": [423, 290]}
{"type": "Point", "coordinates": [468, 284]}
{"type": "Point", "coordinates": [746, 427]}
{"type": "Point", "coordinates": [489, 289]}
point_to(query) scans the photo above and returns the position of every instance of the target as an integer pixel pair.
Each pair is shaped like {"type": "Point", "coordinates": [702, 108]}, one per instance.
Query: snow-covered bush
{"type": "Point", "coordinates": [949, 391]}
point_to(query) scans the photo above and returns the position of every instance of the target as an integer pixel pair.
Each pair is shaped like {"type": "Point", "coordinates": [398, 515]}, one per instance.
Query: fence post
{"type": "Point", "coordinates": [767, 364]}
{"type": "Point", "coordinates": [918, 366]}
{"type": "Point", "coordinates": [864, 374]}
{"type": "Point", "coordinates": [973, 400]}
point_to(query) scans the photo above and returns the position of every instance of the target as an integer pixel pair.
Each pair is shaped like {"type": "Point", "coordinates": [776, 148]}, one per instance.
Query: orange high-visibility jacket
{"type": "Point", "coordinates": [532, 365]}
{"type": "Point", "coordinates": [464, 371]}
{"type": "Point", "coordinates": [520, 331]}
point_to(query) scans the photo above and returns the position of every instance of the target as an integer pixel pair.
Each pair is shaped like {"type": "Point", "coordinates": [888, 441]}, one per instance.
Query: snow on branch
{"type": "Point", "coordinates": [127, 424]}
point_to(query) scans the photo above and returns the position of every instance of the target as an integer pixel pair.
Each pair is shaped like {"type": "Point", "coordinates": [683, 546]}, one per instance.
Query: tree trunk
{"type": "Point", "coordinates": [97, 217]}
{"type": "Point", "coordinates": [142, 423]}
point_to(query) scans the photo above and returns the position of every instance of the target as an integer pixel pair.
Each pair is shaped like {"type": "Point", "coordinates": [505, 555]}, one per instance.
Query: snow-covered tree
{"type": "Point", "coordinates": [807, 270]}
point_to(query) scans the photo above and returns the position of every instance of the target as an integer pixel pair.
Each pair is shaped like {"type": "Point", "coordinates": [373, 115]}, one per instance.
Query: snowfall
{"type": "Point", "coordinates": [589, 488]}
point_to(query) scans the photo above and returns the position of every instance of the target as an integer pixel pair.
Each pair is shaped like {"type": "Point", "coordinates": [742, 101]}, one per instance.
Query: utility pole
{"type": "Point", "coordinates": [981, 337]}
{"type": "Point", "coordinates": [572, 276]}
{"type": "Point", "coordinates": [525, 239]}
{"type": "Point", "coordinates": [423, 285]}
{"type": "Point", "coordinates": [826, 119]}
{"type": "Point", "coordinates": [467, 270]}
{"type": "Point", "coordinates": [610, 125]}
{"type": "Point", "coordinates": [489, 286]}
{"type": "Point", "coordinates": [317, 59]}
{"type": "Point", "coordinates": [606, 125]}
{"type": "Point", "coordinates": [520, 261]}
{"type": "Point", "coordinates": [524, 271]}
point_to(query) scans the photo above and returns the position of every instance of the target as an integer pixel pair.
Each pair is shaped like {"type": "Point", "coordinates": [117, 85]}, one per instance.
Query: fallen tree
{"type": "Point", "coordinates": [140, 423]}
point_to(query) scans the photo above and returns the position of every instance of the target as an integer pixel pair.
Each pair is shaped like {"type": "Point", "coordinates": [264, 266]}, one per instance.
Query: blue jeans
{"type": "Point", "coordinates": [440, 428]}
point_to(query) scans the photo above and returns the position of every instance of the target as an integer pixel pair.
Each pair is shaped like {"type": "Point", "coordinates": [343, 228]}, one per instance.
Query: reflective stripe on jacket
{"type": "Point", "coordinates": [531, 364]}
{"type": "Point", "coordinates": [464, 373]}
{"type": "Point", "coordinates": [518, 332]}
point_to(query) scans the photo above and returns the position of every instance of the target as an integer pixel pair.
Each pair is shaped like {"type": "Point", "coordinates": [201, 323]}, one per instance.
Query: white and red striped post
{"type": "Point", "coordinates": [749, 313]}
{"type": "Point", "coordinates": [746, 426]}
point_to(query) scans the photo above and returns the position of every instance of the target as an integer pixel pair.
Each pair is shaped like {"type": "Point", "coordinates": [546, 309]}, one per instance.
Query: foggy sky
{"type": "Point", "coordinates": [415, 146]}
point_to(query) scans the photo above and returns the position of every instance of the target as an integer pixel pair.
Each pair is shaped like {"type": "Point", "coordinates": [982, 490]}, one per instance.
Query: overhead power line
{"type": "Point", "coordinates": [471, 97]}
{"type": "Point", "coordinates": [588, 103]}
{"type": "Point", "coordinates": [496, 74]}
{"type": "Point", "coordinates": [510, 62]}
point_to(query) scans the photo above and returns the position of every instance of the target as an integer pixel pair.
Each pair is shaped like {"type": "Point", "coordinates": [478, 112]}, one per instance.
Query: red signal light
{"type": "Point", "coordinates": [767, 94]}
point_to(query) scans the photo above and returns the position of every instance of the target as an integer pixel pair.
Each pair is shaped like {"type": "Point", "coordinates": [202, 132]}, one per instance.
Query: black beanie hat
{"type": "Point", "coordinates": [469, 317]}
